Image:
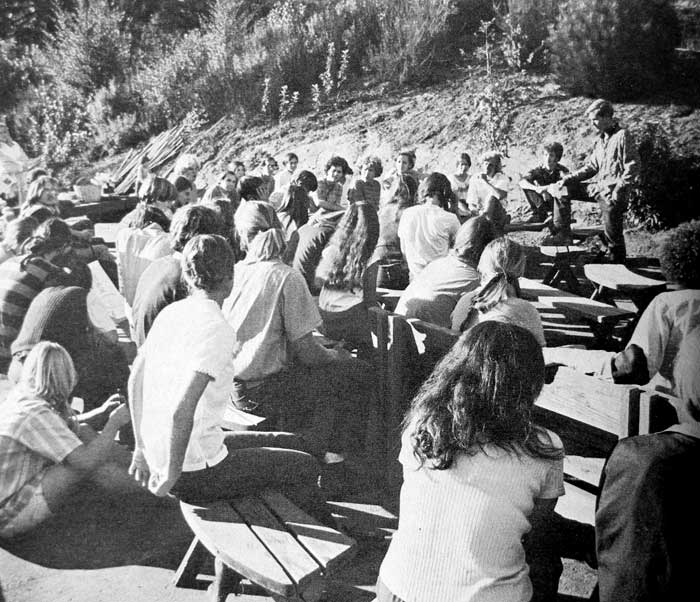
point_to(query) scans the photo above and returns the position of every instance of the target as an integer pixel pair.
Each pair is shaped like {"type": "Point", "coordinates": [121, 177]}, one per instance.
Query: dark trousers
{"type": "Point", "coordinates": [352, 326]}
{"type": "Point", "coordinates": [327, 405]}
{"type": "Point", "coordinates": [541, 205]}
{"type": "Point", "coordinates": [612, 214]}
{"type": "Point", "coordinates": [256, 461]}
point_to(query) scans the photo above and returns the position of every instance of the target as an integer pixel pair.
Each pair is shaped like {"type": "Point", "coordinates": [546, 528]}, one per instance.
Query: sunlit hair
{"type": "Point", "coordinates": [191, 220]}
{"type": "Point", "coordinates": [686, 375]}
{"type": "Point", "coordinates": [16, 232]}
{"type": "Point", "coordinates": [680, 255]}
{"type": "Point", "coordinates": [248, 186]}
{"type": "Point", "coordinates": [48, 373]}
{"type": "Point", "coordinates": [36, 189]}
{"type": "Point", "coordinates": [481, 393]}
{"type": "Point", "coordinates": [185, 163]}
{"type": "Point", "coordinates": [207, 262]}
{"type": "Point", "coordinates": [471, 239]}
{"type": "Point", "coordinates": [438, 185]}
{"type": "Point", "coordinates": [352, 244]}
{"type": "Point", "coordinates": [502, 263]}
{"type": "Point", "coordinates": [157, 190]}
{"type": "Point", "coordinates": [260, 232]}
{"type": "Point", "coordinates": [494, 158]}
{"type": "Point", "coordinates": [375, 163]}
{"type": "Point", "coordinates": [144, 215]}
{"type": "Point", "coordinates": [295, 202]}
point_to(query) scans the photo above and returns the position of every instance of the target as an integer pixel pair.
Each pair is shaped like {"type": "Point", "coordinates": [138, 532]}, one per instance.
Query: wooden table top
{"type": "Point", "coordinates": [618, 277]}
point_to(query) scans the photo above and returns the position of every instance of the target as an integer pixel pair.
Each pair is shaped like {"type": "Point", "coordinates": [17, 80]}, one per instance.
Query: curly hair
{"type": "Point", "coordinates": [680, 255]}
{"type": "Point", "coordinates": [207, 262]}
{"type": "Point", "coordinates": [306, 179]}
{"type": "Point", "coordinates": [554, 147]}
{"type": "Point", "coordinates": [481, 393]}
{"type": "Point", "coordinates": [191, 220]}
{"type": "Point", "coordinates": [339, 162]}
{"type": "Point", "coordinates": [375, 163]}
{"type": "Point", "coordinates": [350, 247]}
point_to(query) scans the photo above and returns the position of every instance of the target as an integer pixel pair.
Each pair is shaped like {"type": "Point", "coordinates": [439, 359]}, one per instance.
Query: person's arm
{"type": "Point", "coordinates": [369, 286]}
{"type": "Point", "coordinates": [311, 353]}
{"type": "Point", "coordinates": [96, 418]}
{"type": "Point", "coordinates": [86, 458]}
{"type": "Point", "coordinates": [589, 169]}
{"type": "Point", "coordinates": [499, 193]}
{"type": "Point", "coordinates": [527, 185]}
{"type": "Point", "coordinates": [629, 157]}
{"type": "Point", "coordinates": [139, 467]}
{"type": "Point", "coordinates": [180, 429]}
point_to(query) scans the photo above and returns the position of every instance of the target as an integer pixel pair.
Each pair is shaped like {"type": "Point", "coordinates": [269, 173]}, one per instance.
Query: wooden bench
{"type": "Point", "coordinates": [561, 270]}
{"type": "Point", "coordinates": [266, 540]}
{"type": "Point", "coordinates": [617, 277]}
{"type": "Point", "coordinates": [600, 317]}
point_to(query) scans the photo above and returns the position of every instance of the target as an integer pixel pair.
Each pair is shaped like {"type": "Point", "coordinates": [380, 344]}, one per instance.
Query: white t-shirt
{"type": "Point", "coordinates": [460, 529]}
{"type": "Point", "coordinates": [660, 331]}
{"type": "Point", "coordinates": [187, 336]}
{"type": "Point", "coordinates": [136, 250]}
{"type": "Point", "coordinates": [479, 191]}
{"type": "Point", "coordinates": [511, 310]}
{"type": "Point", "coordinates": [270, 307]}
{"type": "Point", "coordinates": [426, 233]}
{"type": "Point", "coordinates": [283, 178]}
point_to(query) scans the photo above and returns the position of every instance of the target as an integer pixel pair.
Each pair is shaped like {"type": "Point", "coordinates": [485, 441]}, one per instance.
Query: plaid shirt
{"type": "Point", "coordinates": [33, 437]}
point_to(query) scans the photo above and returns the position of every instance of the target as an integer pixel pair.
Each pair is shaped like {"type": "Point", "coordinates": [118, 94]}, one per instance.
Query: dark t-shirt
{"type": "Point", "coordinates": [313, 238]}
{"type": "Point", "coordinates": [159, 286]}
{"type": "Point", "coordinates": [544, 176]}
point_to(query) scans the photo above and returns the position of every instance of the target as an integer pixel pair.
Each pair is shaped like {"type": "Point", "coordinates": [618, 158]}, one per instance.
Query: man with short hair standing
{"type": "Point", "coordinates": [608, 176]}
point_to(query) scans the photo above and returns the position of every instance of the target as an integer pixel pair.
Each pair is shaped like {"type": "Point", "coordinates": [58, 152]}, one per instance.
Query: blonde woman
{"type": "Point", "coordinates": [47, 450]}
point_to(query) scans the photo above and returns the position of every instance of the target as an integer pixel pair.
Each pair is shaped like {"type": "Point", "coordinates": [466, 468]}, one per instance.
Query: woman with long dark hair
{"type": "Point", "coordinates": [347, 277]}
{"type": "Point", "coordinates": [478, 473]}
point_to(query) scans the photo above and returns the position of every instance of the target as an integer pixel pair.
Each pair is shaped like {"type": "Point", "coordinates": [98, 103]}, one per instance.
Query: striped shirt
{"type": "Point", "coordinates": [21, 279]}
{"type": "Point", "coordinates": [460, 529]}
{"type": "Point", "coordinates": [33, 437]}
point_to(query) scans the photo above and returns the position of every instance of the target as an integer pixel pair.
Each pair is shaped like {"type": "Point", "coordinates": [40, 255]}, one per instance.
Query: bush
{"type": "Point", "coordinates": [614, 48]}
{"type": "Point", "coordinates": [16, 73]}
{"type": "Point", "coordinates": [668, 185]}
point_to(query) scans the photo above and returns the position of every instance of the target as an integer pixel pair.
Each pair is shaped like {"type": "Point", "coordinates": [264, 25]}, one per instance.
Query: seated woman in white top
{"type": "Point", "coordinates": [348, 279]}
{"type": "Point", "coordinates": [434, 293]}
{"type": "Point", "coordinates": [487, 189]}
{"type": "Point", "coordinates": [478, 474]}
{"type": "Point", "coordinates": [179, 388]}
{"type": "Point", "coordinates": [427, 231]}
{"type": "Point", "coordinates": [138, 246]}
{"type": "Point", "coordinates": [282, 372]}
{"type": "Point", "coordinates": [498, 297]}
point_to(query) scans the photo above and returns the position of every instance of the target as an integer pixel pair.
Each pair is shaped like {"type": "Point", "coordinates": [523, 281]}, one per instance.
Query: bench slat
{"type": "Point", "coordinates": [328, 546]}
{"type": "Point", "coordinates": [592, 401]}
{"type": "Point", "coordinates": [226, 535]}
{"type": "Point", "coordinates": [619, 277]}
{"type": "Point", "coordinates": [584, 469]}
{"type": "Point", "coordinates": [301, 567]}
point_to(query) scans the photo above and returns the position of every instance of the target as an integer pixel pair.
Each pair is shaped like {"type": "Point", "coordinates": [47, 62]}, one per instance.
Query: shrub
{"type": "Point", "coordinates": [665, 194]}
{"type": "Point", "coordinates": [614, 48]}
{"type": "Point", "coordinates": [16, 73]}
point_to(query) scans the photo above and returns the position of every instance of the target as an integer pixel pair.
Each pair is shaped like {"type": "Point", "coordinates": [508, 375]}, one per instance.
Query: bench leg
{"type": "Point", "coordinates": [186, 574]}
{"type": "Point", "coordinates": [550, 275]}
{"type": "Point", "coordinates": [226, 581]}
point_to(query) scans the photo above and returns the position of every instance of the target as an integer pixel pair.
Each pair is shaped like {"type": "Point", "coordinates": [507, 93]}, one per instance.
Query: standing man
{"type": "Point", "coordinates": [608, 176]}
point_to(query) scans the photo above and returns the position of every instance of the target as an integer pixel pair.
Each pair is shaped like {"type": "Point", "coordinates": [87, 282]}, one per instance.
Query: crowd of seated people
{"type": "Point", "coordinates": [227, 291]}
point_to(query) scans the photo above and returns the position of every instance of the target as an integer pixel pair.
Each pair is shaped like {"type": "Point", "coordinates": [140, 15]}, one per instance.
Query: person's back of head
{"type": "Point", "coordinates": [680, 255]}
{"type": "Point", "coordinates": [191, 220]}
{"type": "Point", "coordinates": [437, 186]}
{"type": "Point", "coordinates": [260, 231]}
{"type": "Point", "coordinates": [157, 190]}
{"type": "Point", "coordinates": [502, 262]}
{"type": "Point", "coordinates": [306, 180]}
{"type": "Point", "coordinates": [405, 192]}
{"type": "Point", "coordinates": [249, 188]}
{"type": "Point", "coordinates": [471, 239]}
{"type": "Point", "coordinates": [50, 238]}
{"type": "Point", "coordinates": [481, 393]}
{"type": "Point", "coordinates": [207, 264]}
{"type": "Point", "coordinates": [144, 215]}
{"type": "Point", "coordinates": [182, 184]}
{"type": "Point", "coordinates": [18, 231]}
{"type": "Point", "coordinates": [222, 207]}
{"type": "Point", "coordinates": [48, 373]}
{"type": "Point", "coordinates": [350, 247]}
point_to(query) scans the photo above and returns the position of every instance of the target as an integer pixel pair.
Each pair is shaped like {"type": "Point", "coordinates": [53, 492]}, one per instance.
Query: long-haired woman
{"type": "Point", "coordinates": [478, 473]}
{"type": "Point", "coordinates": [347, 277]}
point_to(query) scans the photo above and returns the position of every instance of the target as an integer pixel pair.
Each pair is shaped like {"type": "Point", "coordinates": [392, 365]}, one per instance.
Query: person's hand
{"type": "Point", "coordinates": [112, 403]}
{"type": "Point", "coordinates": [119, 417]}
{"type": "Point", "coordinates": [160, 485]}
{"type": "Point", "coordinates": [139, 468]}
{"type": "Point", "coordinates": [341, 353]}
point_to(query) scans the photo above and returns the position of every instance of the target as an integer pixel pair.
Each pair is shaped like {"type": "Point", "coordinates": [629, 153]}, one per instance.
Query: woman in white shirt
{"type": "Point", "coordinates": [347, 278]}
{"type": "Point", "coordinates": [498, 298]}
{"type": "Point", "coordinates": [179, 388]}
{"type": "Point", "coordinates": [478, 474]}
{"type": "Point", "coordinates": [427, 231]}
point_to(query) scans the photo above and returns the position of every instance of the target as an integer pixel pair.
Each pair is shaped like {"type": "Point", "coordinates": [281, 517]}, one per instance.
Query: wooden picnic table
{"type": "Point", "coordinates": [110, 208]}
{"type": "Point", "coordinates": [562, 258]}
{"type": "Point", "coordinates": [600, 317]}
{"type": "Point", "coordinates": [617, 277]}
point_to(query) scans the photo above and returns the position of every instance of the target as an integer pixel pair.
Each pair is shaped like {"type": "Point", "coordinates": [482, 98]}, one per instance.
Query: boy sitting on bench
{"type": "Point", "coordinates": [543, 194]}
